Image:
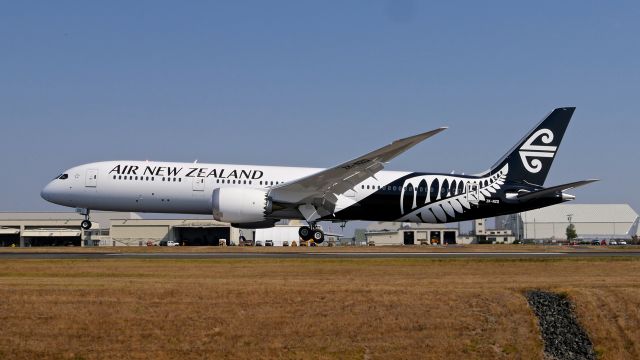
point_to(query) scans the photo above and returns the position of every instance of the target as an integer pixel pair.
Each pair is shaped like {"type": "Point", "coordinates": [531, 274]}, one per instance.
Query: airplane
{"type": "Point", "coordinates": [250, 196]}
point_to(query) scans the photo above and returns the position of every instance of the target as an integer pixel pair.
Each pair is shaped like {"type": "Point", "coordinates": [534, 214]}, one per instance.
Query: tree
{"type": "Point", "coordinates": [571, 232]}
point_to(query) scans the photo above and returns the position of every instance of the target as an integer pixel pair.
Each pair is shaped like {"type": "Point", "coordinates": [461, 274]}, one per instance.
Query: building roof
{"type": "Point", "coordinates": [103, 218]}
{"type": "Point", "coordinates": [582, 213]}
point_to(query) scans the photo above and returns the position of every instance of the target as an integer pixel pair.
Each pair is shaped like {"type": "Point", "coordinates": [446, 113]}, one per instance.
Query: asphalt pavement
{"type": "Point", "coordinates": [313, 255]}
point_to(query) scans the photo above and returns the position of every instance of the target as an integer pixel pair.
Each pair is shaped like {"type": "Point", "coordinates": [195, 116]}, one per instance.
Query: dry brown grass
{"type": "Point", "coordinates": [316, 308]}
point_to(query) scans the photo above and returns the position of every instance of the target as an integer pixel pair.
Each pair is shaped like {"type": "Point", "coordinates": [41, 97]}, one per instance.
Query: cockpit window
{"type": "Point", "coordinates": [63, 176]}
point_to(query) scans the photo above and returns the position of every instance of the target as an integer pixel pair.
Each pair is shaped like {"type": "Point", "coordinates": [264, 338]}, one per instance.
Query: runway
{"type": "Point", "coordinates": [317, 255]}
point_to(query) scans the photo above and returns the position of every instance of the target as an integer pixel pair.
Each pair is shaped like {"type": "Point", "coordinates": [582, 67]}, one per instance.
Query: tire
{"type": "Point", "coordinates": [305, 233]}
{"type": "Point", "coordinates": [85, 224]}
{"type": "Point", "coordinates": [318, 236]}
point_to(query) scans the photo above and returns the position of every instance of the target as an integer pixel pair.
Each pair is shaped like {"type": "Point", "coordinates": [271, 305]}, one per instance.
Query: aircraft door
{"type": "Point", "coordinates": [198, 184]}
{"type": "Point", "coordinates": [91, 179]}
{"type": "Point", "coordinates": [473, 193]}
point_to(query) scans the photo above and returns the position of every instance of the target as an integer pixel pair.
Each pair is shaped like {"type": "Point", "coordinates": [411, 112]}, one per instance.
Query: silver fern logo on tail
{"type": "Point", "coordinates": [530, 154]}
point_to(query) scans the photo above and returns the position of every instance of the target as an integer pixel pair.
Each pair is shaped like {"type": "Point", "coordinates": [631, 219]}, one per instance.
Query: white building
{"type": "Point", "coordinates": [482, 235]}
{"type": "Point", "coordinates": [397, 233]}
{"type": "Point", "coordinates": [27, 229]}
{"type": "Point", "coordinates": [55, 228]}
{"type": "Point", "coordinates": [592, 221]}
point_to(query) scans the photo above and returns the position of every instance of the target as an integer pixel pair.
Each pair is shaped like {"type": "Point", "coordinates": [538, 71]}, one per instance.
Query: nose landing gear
{"type": "Point", "coordinates": [86, 223]}
{"type": "Point", "coordinates": [307, 233]}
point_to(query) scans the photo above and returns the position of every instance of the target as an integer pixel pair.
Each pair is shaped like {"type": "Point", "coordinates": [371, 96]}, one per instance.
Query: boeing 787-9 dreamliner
{"type": "Point", "coordinates": [258, 196]}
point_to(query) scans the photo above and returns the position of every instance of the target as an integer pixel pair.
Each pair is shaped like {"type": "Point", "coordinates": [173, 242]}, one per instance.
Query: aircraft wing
{"type": "Point", "coordinates": [323, 187]}
{"type": "Point", "coordinates": [554, 190]}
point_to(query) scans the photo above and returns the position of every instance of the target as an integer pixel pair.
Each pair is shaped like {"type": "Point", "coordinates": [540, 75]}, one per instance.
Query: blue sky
{"type": "Point", "coordinates": [313, 83]}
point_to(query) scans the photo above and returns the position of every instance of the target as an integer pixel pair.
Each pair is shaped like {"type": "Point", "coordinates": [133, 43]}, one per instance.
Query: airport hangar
{"type": "Point", "coordinates": [591, 221]}
{"type": "Point", "coordinates": [601, 221]}
{"type": "Point", "coordinates": [27, 229]}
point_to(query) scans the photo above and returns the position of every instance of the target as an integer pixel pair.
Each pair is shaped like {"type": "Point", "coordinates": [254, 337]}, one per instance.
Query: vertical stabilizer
{"type": "Point", "coordinates": [530, 159]}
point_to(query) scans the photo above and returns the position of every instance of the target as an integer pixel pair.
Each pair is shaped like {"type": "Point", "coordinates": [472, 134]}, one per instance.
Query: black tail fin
{"type": "Point", "coordinates": [530, 160]}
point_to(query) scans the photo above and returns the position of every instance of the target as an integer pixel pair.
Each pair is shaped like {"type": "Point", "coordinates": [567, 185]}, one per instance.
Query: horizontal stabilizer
{"type": "Point", "coordinates": [555, 190]}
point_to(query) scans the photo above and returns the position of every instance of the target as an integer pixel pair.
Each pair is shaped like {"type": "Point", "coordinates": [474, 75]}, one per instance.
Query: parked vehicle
{"type": "Point", "coordinates": [173, 243]}
{"type": "Point", "coordinates": [622, 242]}
{"type": "Point", "coordinates": [268, 243]}
{"type": "Point", "coordinates": [258, 243]}
{"type": "Point", "coordinates": [285, 243]}
{"type": "Point", "coordinates": [613, 242]}
{"type": "Point", "coordinates": [595, 242]}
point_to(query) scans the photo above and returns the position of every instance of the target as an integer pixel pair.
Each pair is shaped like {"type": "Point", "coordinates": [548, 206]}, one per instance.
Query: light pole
{"type": "Point", "coordinates": [518, 227]}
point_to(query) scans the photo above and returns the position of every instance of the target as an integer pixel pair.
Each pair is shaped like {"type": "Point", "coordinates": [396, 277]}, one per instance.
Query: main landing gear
{"type": "Point", "coordinates": [311, 233]}
{"type": "Point", "coordinates": [86, 223]}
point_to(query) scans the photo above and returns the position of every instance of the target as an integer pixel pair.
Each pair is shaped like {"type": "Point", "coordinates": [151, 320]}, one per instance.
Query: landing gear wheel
{"type": "Point", "coordinates": [318, 236]}
{"type": "Point", "coordinates": [85, 224]}
{"type": "Point", "coordinates": [305, 233]}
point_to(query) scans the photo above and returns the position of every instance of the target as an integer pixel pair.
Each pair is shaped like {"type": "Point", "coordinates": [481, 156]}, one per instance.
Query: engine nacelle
{"type": "Point", "coordinates": [240, 205]}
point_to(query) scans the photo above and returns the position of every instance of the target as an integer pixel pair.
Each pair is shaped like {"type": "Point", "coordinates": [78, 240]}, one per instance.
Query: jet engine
{"type": "Point", "coordinates": [240, 205]}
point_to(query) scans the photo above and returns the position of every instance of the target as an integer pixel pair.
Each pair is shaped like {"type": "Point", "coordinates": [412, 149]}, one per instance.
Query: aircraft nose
{"type": "Point", "coordinates": [49, 192]}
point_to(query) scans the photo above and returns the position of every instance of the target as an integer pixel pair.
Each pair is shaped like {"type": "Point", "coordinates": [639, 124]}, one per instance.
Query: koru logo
{"type": "Point", "coordinates": [530, 154]}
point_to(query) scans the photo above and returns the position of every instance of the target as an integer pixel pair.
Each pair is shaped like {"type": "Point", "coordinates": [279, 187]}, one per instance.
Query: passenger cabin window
{"type": "Point", "coordinates": [63, 176]}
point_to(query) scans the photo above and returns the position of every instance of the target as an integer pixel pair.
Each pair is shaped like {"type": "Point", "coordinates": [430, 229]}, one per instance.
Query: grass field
{"type": "Point", "coordinates": [315, 308]}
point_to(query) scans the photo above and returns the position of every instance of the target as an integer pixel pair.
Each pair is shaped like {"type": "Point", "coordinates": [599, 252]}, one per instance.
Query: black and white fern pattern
{"type": "Point", "coordinates": [438, 198]}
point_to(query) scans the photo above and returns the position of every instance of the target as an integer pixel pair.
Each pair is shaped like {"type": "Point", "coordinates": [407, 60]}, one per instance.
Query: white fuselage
{"type": "Point", "coordinates": [167, 187]}
{"type": "Point", "coordinates": [354, 190]}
